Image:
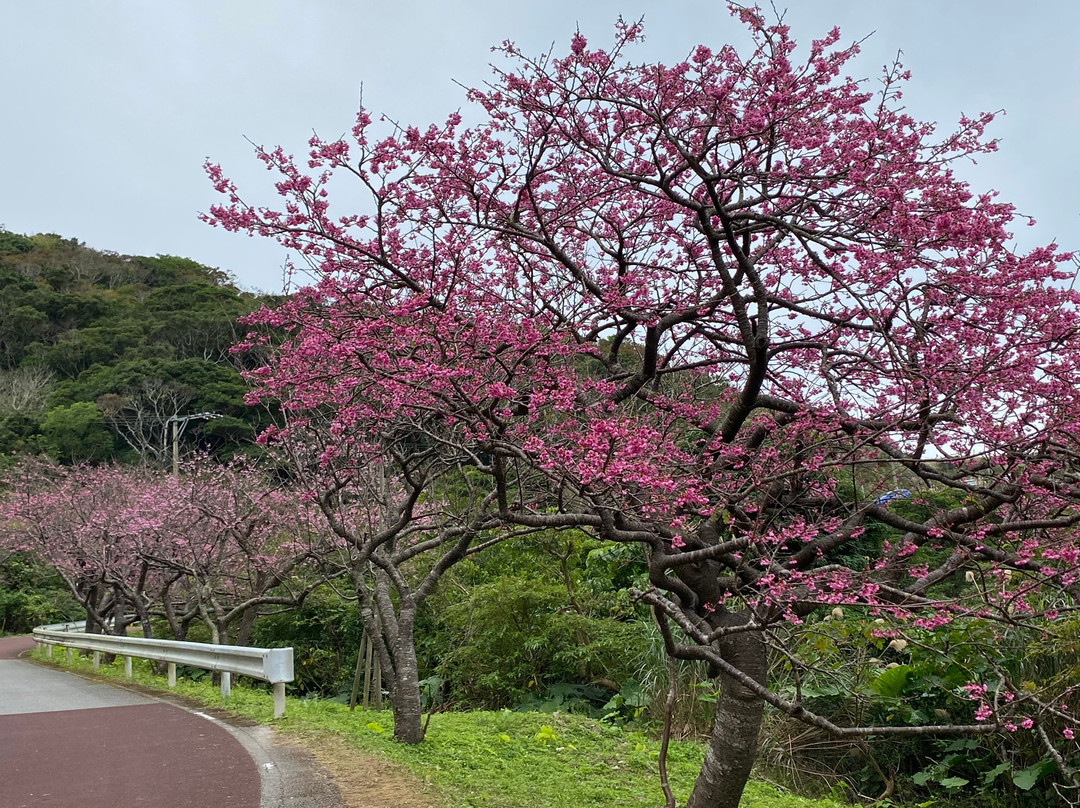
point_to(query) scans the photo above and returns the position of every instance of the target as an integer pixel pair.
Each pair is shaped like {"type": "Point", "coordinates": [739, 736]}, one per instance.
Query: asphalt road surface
{"type": "Point", "coordinates": [71, 742]}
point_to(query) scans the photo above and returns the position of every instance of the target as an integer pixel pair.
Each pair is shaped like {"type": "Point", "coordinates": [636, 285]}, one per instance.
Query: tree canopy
{"type": "Point", "coordinates": [739, 310]}
{"type": "Point", "coordinates": [98, 350]}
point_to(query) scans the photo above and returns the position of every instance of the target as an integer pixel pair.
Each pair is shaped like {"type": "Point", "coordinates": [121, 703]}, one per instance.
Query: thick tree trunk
{"type": "Point", "coordinates": [245, 626]}
{"type": "Point", "coordinates": [170, 613]}
{"type": "Point", "coordinates": [143, 614]}
{"type": "Point", "coordinates": [731, 752]}
{"type": "Point", "coordinates": [391, 630]}
{"type": "Point", "coordinates": [733, 745]}
{"type": "Point", "coordinates": [120, 615]}
{"type": "Point", "coordinates": [88, 597]}
{"type": "Point", "coordinates": [405, 691]}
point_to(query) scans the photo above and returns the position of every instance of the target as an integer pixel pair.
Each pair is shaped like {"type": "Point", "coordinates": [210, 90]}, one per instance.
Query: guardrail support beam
{"type": "Point", "coordinates": [279, 699]}
{"type": "Point", "coordinates": [171, 674]}
{"type": "Point", "coordinates": [97, 659]}
{"type": "Point", "coordinates": [226, 684]}
{"type": "Point", "coordinates": [127, 667]}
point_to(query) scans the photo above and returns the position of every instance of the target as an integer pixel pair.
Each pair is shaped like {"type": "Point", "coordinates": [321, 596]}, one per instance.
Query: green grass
{"type": "Point", "coordinates": [488, 759]}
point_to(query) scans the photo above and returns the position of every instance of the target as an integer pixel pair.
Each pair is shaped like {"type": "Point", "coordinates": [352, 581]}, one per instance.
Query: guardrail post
{"type": "Point", "coordinates": [48, 651]}
{"type": "Point", "coordinates": [67, 655]}
{"type": "Point", "coordinates": [171, 674]}
{"type": "Point", "coordinates": [127, 667]}
{"type": "Point", "coordinates": [279, 699]}
{"type": "Point", "coordinates": [97, 659]}
{"type": "Point", "coordinates": [226, 684]}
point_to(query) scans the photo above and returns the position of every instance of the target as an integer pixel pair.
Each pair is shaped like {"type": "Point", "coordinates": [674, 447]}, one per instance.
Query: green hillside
{"type": "Point", "coordinates": [99, 350]}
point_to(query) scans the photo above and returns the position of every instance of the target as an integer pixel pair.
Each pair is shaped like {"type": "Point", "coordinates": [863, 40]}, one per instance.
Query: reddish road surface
{"type": "Point", "coordinates": [68, 742]}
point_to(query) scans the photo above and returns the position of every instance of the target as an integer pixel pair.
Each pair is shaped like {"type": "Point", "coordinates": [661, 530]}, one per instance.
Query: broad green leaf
{"type": "Point", "coordinates": [634, 694]}
{"type": "Point", "coordinates": [891, 682]}
{"type": "Point", "coordinates": [992, 775]}
{"type": "Point", "coordinates": [954, 782]}
{"type": "Point", "coordinates": [1026, 779]}
{"type": "Point", "coordinates": [963, 743]}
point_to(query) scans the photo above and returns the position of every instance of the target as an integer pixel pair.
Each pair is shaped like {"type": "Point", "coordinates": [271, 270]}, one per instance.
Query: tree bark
{"type": "Point", "coordinates": [390, 629]}
{"type": "Point", "coordinates": [733, 745]}
{"type": "Point", "coordinates": [405, 691]}
{"type": "Point", "coordinates": [395, 646]}
{"type": "Point", "coordinates": [120, 615]}
{"type": "Point", "coordinates": [245, 626]}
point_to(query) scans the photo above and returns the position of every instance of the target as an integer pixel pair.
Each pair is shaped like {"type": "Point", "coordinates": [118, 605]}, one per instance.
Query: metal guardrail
{"type": "Point", "coordinates": [274, 665]}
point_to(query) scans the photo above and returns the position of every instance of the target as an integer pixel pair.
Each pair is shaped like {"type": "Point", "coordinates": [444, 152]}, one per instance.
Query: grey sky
{"type": "Point", "coordinates": [111, 106]}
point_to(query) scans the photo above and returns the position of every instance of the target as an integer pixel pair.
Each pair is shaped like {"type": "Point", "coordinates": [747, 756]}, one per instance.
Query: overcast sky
{"type": "Point", "coordinates": [112, 106]}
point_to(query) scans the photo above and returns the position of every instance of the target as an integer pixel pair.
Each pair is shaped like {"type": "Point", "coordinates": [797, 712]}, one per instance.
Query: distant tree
{"type": "Point", "coordinates": [215, 545]}
{"type": "Point", "coordinates": [142, 416]}
{"type": "Point", "coordinates": [106, 326]}
{"type": "Point", "coordinates": [19, 434]}
{"type": "Point", "coordinates": [94, 525]}
{"type": "Point", "coordinates": [80, 349]}
{"type": "Point", "coordinates": [405, 510]}
{"type": "Point", "coordinates": [239, 545]}
{"type": "Point", "coordinates": [24, 389]}
{"type": "Point", "coordinates": [172, 270]}
{"type": "Point", "coordinates": [77, 433]}
{"type": "Point", "coordinates": [13, 243]}
{"type": "Point", "coordinates": [20, 327]}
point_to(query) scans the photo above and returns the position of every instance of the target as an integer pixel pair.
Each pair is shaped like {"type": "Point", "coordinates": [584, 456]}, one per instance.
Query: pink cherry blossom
{"type": "Point", "coordinates": [721, 309]}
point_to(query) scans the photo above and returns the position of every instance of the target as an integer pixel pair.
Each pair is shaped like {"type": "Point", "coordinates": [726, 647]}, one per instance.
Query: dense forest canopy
{"type": "Point", "coordinates": [99, 350]}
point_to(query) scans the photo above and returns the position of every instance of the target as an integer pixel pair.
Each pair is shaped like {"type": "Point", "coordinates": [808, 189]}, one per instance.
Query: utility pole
{"type": "Point", "coordinates": [179, 424]}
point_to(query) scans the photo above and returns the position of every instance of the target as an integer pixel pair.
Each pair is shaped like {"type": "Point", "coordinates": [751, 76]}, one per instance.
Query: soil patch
{"type": "Point", "coordinates": [366, 781]}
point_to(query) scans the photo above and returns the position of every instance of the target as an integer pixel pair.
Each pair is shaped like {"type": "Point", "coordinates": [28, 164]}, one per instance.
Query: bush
{"type": "Point", "coordinates": [516, 641]}
{"type": "Point", "coordinates": [859, 675]}
{"type": "Point", "coordinates": [32, 594]}
{"type": "Point", "coordinates": [325, 636]}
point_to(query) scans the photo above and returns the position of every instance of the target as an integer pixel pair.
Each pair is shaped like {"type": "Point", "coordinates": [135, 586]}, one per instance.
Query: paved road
{"type": "Point", "coordinates": [70, 742]}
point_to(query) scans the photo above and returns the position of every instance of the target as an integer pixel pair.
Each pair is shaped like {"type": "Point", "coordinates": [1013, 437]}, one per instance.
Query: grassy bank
{"type": "Point", "coordinates": [484, 759]}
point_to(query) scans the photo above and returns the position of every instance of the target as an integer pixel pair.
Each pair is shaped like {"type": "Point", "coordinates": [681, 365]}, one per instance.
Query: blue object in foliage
{"type": "Point", "coordinates": [896, 493]}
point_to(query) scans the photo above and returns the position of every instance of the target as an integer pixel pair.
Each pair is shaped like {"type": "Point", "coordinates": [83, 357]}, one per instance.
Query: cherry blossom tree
{"type": "Point", "coordinates": [405, 505]}
{"type": "Point", "coordinates": [739, 310]}
{"type": "Point", "coordinates": [216, 545]}
{"type": "Point", "coordinates": [237, 545]}
{"type": "Point", "coordinates": [96, 526]}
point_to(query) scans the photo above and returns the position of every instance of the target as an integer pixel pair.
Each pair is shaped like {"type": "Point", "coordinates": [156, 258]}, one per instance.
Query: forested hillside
{"type": "Point", "coordinates": [99, 350]}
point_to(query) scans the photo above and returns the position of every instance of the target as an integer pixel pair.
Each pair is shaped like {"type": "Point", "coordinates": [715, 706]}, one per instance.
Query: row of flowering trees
{"type": "Point", "coordinates": [214, 546]}
{"type": "Point", "coordinates": [738, 310]}
{"type": "Point", "coordinates": [220, 545]}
